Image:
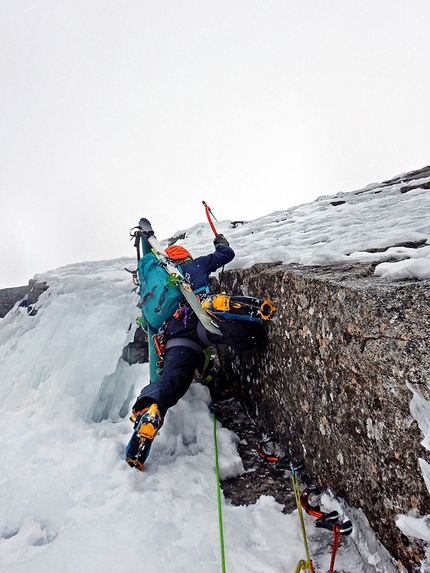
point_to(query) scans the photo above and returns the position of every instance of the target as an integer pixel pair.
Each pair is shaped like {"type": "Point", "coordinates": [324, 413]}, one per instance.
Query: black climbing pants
{"type": "Point", "coordinates": [180, 363]}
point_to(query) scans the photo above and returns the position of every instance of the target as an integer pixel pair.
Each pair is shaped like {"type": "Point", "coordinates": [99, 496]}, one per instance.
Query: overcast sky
{"type": "Point", "coordinates": [113, 110]}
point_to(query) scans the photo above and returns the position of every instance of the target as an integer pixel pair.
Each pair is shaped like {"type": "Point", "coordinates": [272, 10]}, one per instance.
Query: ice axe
{"type": "Point", "coordinates": [208, 215]}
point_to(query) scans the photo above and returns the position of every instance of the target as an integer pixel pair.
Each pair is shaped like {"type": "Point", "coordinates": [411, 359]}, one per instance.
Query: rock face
{"type": "Point", "coordinates": [332, 383]}
{"type": "Point", "coordinates": [137, 351]}
{"type": "Point", "coordinates": [8, 298]}
{"type": "Point", "coordinates": [27, 294]}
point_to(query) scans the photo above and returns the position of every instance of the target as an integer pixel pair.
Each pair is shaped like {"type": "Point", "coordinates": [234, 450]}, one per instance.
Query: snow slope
{"type": "Point", "coordinates": [70, 502]}
{"type": "Point", "coordinates": [335, 229]}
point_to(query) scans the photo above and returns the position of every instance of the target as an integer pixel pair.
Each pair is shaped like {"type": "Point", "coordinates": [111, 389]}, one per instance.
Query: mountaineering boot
{"type": "Point", "coordinates": [150, 422]}
{"type": "Point", "coordinates": [146, 425]}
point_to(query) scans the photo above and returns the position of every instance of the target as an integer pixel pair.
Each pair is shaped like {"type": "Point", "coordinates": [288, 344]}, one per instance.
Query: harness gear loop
{"type": "Point", "coordinates": [268, 457]}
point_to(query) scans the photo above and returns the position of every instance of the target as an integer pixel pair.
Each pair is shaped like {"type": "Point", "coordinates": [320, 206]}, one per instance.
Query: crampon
{"type": "Point", "coordinates": [146, 426]}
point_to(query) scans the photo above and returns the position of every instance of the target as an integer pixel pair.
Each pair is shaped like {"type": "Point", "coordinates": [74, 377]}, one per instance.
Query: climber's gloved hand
{"type": "Point", "coordinates": [220, 240]}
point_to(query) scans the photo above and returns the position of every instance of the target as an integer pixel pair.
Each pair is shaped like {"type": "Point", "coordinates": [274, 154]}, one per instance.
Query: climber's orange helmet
{"type": "Point", "coordinates": [178, 253]}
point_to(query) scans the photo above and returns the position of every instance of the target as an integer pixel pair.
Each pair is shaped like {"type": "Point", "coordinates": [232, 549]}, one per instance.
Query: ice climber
{"type": "Point", "coordinates": [185, 340]}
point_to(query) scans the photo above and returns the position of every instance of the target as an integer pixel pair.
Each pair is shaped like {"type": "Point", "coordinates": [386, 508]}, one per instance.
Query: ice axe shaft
{"type": "Point", "coordinates": [208, 215]}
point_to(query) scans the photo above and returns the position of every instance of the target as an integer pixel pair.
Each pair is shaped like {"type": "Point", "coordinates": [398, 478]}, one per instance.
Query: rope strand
{"type": "Point", "coordinates": [336, 535]}
{"type": "Point", "coordinates": [301, 565]}
{"type": "Point", "coordinates": [221, 533]}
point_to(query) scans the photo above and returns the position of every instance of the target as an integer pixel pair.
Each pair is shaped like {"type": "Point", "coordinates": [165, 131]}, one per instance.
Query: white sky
{"type": "Point", "coordinates": [111, 111]}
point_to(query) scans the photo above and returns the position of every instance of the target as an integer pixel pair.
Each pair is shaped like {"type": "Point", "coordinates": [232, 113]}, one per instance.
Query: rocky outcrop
{"type": "Point", "coordinates": [28, 295]}
{"type": "Point", "coordinates": [332, 384]}
{"type": "Point", "coordinates": [136, 352]}
{"type": "Point", "coordinates": [8, 298]}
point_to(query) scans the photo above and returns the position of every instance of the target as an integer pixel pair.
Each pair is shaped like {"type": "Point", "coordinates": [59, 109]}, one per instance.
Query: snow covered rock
{"type": "Point", "coordinates": [27, 294]}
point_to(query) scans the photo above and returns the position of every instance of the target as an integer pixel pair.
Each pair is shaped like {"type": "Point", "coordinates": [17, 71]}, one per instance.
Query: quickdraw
{"type": "Point", "coordinates": [276, 454]}
{"type": "Point", "coordinates": [329, 521]}
{"type": "Point", "coordinates": [159, 341]}
{"type": "Point", "coordinates": [134, 276]}
{"type": "Point", "coordinates": [324, 520]}
{"type": "Point", "coordinates": [158, 344]}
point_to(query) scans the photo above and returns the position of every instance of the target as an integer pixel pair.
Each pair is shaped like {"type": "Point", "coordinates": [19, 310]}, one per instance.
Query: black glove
{"type": "Point", "coordinates": [220, 240]}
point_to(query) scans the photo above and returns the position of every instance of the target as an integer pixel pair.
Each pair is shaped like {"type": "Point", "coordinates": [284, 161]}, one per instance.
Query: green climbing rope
{"type": "Point", "coordinates": [221, 532]}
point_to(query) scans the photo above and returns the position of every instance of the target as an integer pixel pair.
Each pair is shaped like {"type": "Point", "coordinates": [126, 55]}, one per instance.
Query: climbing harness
{"type": "Point", "coordinates": [221, 533]}
{"type": "Point", "coordinates": [327, 521]}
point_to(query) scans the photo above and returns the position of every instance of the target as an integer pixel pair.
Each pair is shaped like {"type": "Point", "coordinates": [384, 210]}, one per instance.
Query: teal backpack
{"type": "Point", "coordinates": [159, 294]}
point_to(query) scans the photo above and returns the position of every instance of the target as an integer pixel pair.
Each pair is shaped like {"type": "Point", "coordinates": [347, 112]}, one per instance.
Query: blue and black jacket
{"type": "Point", "coordinates": [197, 272]}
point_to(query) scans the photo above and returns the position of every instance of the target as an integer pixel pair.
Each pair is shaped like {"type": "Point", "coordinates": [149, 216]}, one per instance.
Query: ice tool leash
{"type": "Point", "coordinates": [329, 521]}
